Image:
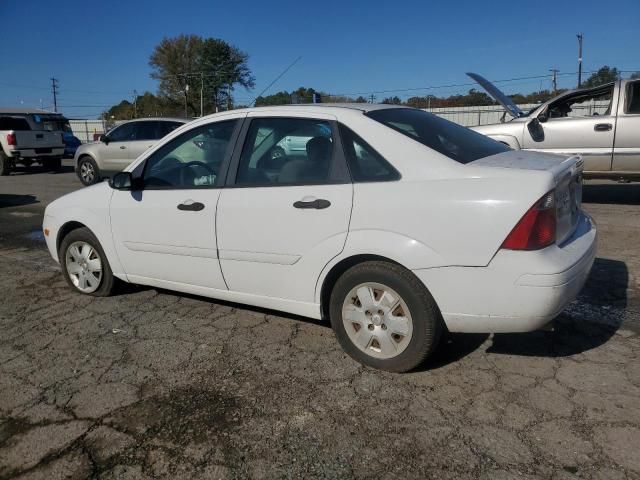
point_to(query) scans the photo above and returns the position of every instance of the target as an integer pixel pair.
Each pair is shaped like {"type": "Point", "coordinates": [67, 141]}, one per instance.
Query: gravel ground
{"type": "Point", "coordinates": [154, 384]}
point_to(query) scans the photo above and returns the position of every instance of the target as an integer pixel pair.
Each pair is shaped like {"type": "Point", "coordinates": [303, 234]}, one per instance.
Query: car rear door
{"type": "Point", "coordinates": [165, 230]}
{"type": "Point", "coordinates": [280, 222]}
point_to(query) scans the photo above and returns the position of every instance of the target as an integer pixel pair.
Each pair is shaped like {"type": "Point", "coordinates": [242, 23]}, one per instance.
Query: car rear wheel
{"type": "Point", "coordinates": [54, 164]}
{"type": "Point", "coordinates": [5, 164]}
{"type": "Point", "coordinates": [384, 316]}
{"type": "Point", "coordinates": [84, 264]}
{"type": "Point", "coordinates": [88, 172]}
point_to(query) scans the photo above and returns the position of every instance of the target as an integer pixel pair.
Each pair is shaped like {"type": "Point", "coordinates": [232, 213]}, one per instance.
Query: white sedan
{"type": "Point", "coordinates": [392, 223]}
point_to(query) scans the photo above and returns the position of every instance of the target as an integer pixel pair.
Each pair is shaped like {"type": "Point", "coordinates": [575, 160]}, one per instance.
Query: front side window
{"type": "Point", "coordinates": [123, 133]}
{"type": "Point", "coordinates": [194, 159]}
{"type": "Point", "coordinates": [633, 98]}
{"type": "Point", "coordinates": [165, 128]}
{"type": "Point", "coordinates": [452, 140]}
{"type": "Point", "coordinates": [286, 151]}
{"type": "Point", "coordinates": [365, 164]}
{"type": "Point", "coordinates": [146, 131]}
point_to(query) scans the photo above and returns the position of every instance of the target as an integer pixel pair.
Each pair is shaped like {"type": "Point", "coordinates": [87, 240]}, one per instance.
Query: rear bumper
{"type": "Point", "coordinates": [31, 153]}
{"type": "Point", "coordinates": [518, 291]}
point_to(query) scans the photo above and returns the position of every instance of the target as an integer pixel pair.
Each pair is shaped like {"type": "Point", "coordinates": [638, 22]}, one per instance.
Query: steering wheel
{"type": "Point", "coordinates": [194, 163]}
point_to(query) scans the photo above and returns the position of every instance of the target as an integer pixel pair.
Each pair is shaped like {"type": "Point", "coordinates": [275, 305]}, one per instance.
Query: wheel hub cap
{"type": "Point", "coordinates": [377, 320]}
{"type": "Point", "coordinates": [84, 266]}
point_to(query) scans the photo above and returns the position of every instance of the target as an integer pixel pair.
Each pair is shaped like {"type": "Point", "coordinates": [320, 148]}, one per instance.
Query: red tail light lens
{"type": "Point", "coordinates": [536, 229]}
{"type": "Point", "coordinates": [11, 139]}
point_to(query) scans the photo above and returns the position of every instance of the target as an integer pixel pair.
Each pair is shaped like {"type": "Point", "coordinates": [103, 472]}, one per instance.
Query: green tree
{"type": "Point", "coordinates": [604, 75]}
{"type": "Point", "coordinates": [186, 63]}
{"type": "Point", "coordinates": [392, 101]}
{"type": "Point", "coordinates": [635, 75]}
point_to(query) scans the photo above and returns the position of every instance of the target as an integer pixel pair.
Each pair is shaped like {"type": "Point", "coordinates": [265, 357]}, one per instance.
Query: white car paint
{"type": "Point", "coordinates": [442, 220]}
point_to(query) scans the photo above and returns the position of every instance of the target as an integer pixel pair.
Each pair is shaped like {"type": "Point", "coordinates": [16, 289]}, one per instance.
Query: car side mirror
{"type": "Point", "coordinates": [104, 139]}
{"type": "Point", "coordinates": [122, 181]}
{"type": "Point", "coordinates": [543, 117]}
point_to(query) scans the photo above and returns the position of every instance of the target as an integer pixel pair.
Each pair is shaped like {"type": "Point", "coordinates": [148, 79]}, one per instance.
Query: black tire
{"type": "Point", "coordinates": [86, 165]}
{"type": "Point", "coordinates": [54, 164]}
{"type": "Point", "coordinates": [5, 164]}
{"type": "Point", "coordinates": [107, 282]}
{"type": "Point", "coordinates": [427, 321]}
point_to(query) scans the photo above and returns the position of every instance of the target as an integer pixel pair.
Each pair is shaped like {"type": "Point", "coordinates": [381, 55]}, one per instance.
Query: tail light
{"type": "Point", "coordinates": [537, 228]}
{"type": "Point", "coordinates": [11, 139]}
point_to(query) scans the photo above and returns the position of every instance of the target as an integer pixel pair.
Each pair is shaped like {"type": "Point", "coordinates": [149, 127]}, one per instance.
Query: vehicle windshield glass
{"type": "Point", "coordinates": [456, 142]}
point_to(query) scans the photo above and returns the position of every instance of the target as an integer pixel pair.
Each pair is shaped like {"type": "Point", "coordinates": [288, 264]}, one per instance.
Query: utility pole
{"type": "Point", "coordinates": [202, 94]}
{"type": "Point", "coordinates": [372, 97]}
{"type": "Point", "coordinates": [579, 59]}
{"type": "Point", "coordinates": [554, 80]}
{"type": "Point", "coordinates": [186, 91]}
{"type": "Point", "coordinates": [54, 89]}
{"type": "Point", "coordinates": [135, 104]}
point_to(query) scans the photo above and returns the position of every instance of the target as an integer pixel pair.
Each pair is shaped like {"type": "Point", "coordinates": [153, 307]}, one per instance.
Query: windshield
{"type": "Point", "coordinates": [450, 139]}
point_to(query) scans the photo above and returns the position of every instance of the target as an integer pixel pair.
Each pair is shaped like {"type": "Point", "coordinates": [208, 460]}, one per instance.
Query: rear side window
{"type": "Point", "coordinates": [633, 98]}
{"type": "Point", "coordinates": [456, 142]}
{"type": "Point", "coordinates": [13, 123]}
{"type": "Point", "coordinates": [365, 164]}
{"type": "Point", "coordinates": [123, 133]}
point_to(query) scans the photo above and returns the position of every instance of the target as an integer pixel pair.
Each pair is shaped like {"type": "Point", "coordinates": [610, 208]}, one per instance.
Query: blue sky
{"type": "Point", "coordinates": [99, 51]}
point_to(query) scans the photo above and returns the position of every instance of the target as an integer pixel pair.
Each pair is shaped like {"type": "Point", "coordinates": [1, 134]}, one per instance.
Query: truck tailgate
{"type": "Point", "coordinates": [38, 140]}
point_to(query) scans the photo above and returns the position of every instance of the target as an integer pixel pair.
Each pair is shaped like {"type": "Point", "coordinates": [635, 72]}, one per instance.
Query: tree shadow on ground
{"type": "Point", "coordinates": [11, 200]}
{"type": "Point", "coordinates": [611, 193]}
{"type": "Point", "coordinates": [37, 170]}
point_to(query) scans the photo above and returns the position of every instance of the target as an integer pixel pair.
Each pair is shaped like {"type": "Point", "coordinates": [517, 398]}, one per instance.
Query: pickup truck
{"type": "Point", "coordinates": [602, 124]}
{"type": "Point", "coordinates": [23, 139]}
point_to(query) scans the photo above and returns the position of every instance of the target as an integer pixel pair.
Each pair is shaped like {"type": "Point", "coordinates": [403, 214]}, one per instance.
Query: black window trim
{"type": "Point", "coordinates": [138, 172]}
{"type": "Point", "coordinates": [338, 161]}
{"type": "Point", "coordinates": [397, 176]}
{"type": "Point", "coordinates": [628, 97]}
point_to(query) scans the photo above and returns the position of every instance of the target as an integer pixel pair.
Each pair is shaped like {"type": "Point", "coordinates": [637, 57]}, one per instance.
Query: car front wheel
{"type": "Point", "coordinates": [384, 316]}
{"type": "Point", "coordinates": [84, 264]}
{"type": "Point", "coordinates": [88, 172]}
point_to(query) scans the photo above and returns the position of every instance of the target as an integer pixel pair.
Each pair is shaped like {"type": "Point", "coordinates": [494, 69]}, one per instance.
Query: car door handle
{"type": "Point", "coordinates": [190, 206]}
{"type": "Point", "coordinates": [122, 147]}
{"type": "Point", "coordinates": [318, 204]}
{"type": "Point", "coordinates": [602, 127]}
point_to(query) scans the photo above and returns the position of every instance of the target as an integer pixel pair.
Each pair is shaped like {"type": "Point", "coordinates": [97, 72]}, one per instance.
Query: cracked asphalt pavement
{"type": "Point", "coordinates": [154, 384]}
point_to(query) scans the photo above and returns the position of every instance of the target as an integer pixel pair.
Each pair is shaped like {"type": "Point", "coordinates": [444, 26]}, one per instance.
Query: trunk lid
{"type": "Point", "coordinates": [567, 174]}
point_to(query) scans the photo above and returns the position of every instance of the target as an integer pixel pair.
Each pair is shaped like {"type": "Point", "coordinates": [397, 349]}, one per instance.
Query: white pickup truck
{"type": "Point", "coordinates": [25, 139]}
{"type": "Point", "coordinates": [601, 124]}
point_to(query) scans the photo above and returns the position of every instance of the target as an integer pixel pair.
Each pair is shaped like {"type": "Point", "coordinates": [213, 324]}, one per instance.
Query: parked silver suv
{"type": "Point", "coordinates": [120, 146]}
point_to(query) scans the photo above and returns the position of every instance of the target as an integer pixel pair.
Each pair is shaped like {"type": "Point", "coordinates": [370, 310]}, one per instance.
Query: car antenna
{"type": "Point", "coordinates": [276, 79]}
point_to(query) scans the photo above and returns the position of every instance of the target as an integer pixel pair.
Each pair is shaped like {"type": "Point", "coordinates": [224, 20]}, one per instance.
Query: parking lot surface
{"type": "Point", "coordinates": [153, 384]}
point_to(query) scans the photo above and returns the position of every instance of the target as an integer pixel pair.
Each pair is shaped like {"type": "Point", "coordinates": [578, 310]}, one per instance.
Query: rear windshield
{"type": "Point", "coordinates": [456, 142]}
{"type": "Point", "coordinates": [13, 123]}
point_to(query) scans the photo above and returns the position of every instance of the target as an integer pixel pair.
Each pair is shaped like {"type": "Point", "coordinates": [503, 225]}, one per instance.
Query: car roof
{"type": "Point", "coordinates": [158, 119]}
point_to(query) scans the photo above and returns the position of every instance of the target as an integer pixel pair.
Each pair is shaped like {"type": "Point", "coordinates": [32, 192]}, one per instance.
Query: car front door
{"type": "Point", "coordinates": [165, 229]}
{"type": "Point", "coordinates": [113, 154]}
{"type": "Point", "coordinates": [626, 153]}
{"type": "Point", "coordinates": [584, 126]}
{"type": "Point", "coordinates": [146, 135]}
{"type": "Point", "coordinates": [281, 221]}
